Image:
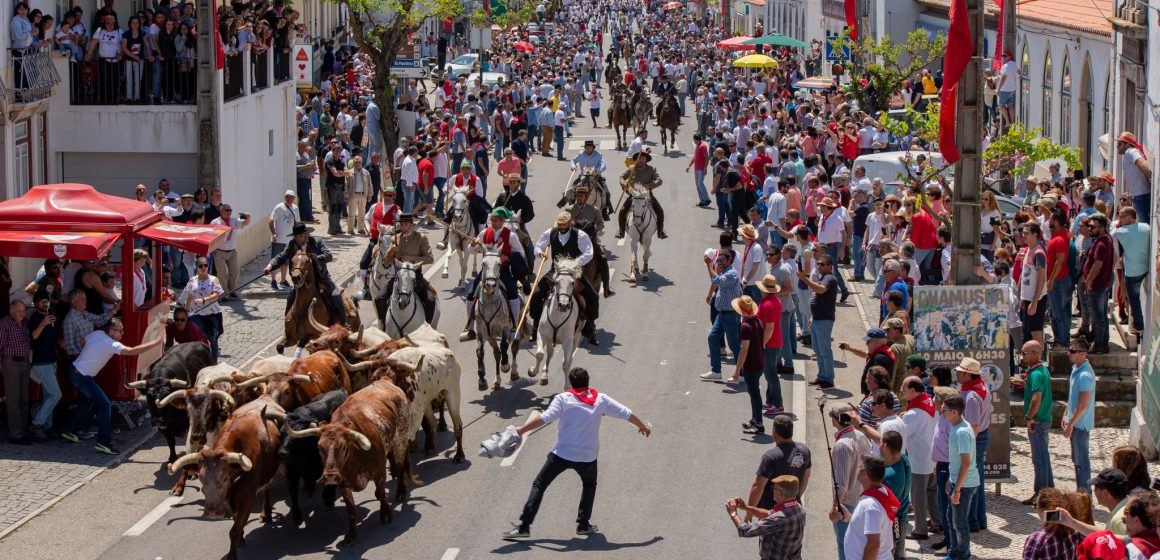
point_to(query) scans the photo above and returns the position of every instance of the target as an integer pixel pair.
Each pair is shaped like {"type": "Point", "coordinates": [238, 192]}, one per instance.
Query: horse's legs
{"type": "Point", "coordinates": [549, 347]}
{"type": "Point", "coordinates": [567, 350]}
{"type": "Point", "coordinates": [447, 263]}
{"type": "Point", "coordinates": [515, 350]}
{"type": "Point", "coordinates": [504, 365]}
{"type": "Point", "coordinates": [495, 353]}
{"type": "Point", "coordinates": [479, 358]}
{"type": "Point", "coordinates": [539, 355]}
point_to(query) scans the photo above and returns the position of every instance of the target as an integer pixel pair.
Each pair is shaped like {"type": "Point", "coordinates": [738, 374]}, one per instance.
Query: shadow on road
{"type": "Point", "coordinates": [510, 402]}
{"type": "Point", "coordinates": [594, 542]}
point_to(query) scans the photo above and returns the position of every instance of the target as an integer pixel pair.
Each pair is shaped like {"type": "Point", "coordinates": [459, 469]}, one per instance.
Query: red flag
{"type": "Point", "coordinates": [997, 59]}
{"type": "Point", "coordinates": [219, 51]}
{"type": "Point", "coordinates": [960, 49]}
{"type": "Point", "coordinates": [852, 18]}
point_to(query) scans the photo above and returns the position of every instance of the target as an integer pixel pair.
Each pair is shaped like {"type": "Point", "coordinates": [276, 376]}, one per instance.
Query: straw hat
{"type": "Point", "coordinates": [563, 218]}
{"type": "Point", "coordinates": [748, 232]}
{"type": "Point", "coordinates": [970, 365]}
{"type": "Point", "coordinates": [745, 307]}
{"type": "Point", "coordinates": [768, 284]}
{"type": "Point", "coordinates": [828, 202]}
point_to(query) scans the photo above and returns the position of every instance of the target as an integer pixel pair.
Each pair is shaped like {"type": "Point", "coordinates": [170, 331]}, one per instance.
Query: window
{"type": "Point", "coordinates": [1025, 85]}
{"type": "Point", "coordinates": [1065, 102]}
{"type": "Point", "coordinates": [1107, 103]}
{"type": "Point", "coordinates": [23, 159]}
{"type": "Point", "coordinates": [1048, 84]}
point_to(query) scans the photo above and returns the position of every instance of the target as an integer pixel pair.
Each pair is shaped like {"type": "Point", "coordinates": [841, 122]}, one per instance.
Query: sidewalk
{"type": "Point", "coordinates": [36, 476]}
{"type": "Point", "coordinates": [1009, 522]}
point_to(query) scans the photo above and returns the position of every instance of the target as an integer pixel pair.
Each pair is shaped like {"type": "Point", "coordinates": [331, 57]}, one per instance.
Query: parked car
{"type": "Point", "coordinates": [489, 78]}
{"type": "Point", "coordinates": [463, 64]}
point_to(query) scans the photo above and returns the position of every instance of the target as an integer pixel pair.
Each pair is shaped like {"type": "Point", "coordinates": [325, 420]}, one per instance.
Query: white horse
{"type": "Point", "coordinates": [382, 271]}
{"type": "Point", "coordinates": [494, 321]}
{"type": "Point", "coordinates": [561, 325]}
{"type": "Point", "coordinates": [460, 218]}
{"type": "Point", "coordinates": [640, 232]}
{"type": "Point", "coordinates": [404, 312]}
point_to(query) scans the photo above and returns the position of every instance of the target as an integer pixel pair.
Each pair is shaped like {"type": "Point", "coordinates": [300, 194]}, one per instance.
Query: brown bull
{"type": "Point", "coordinates": [241, 463]}
{"type": "Point", "coordinates": [366, 433]}
{"type": "Point", "coordinates": [307, 378]}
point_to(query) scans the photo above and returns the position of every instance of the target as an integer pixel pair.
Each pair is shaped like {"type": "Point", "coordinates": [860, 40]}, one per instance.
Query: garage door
{"type": "Point", "coordinates": [118, 173]}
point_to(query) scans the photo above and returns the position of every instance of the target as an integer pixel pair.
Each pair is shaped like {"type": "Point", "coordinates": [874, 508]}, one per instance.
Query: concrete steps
{"type": "Point", "coordinates": [1115, 388]}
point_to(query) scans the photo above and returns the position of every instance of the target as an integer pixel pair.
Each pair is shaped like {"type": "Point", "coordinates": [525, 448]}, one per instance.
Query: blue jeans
{"type": "Point", "coordinates": [440, 183]}
{"type": "Point", "coordinates": [879, 285]}
{"type": "Point", "coordinates": [1098, 309]}
{"type": "Point", "coordinates": [859, 257]}
{"type": "Point", "coordinates": [978, 512]}
{"type": "Point", "coordinates": [840, 532]}
{"type": "Point", "coordinates": [1132, 285]}
{"type": "Point", "coordinates": [305, 204]}
{"type": "Point", "coordinates": [1059, 303]}
{"type": "Point", "coordinates": [409, 195]}
{"type": "Point", "coordinates": [727, 324]}
{"type": "Point", "coordinates": [788, 340]}
{"type": "Point", "coordinates": [959, 532]}
{"type": "Point", "coordinates": [832, 250]}
{"type": "Point", "coordinates": [942, 474]}
{"type": "Point", "coordinates": [801, 301]}
{"type": "Point", "coordinates": [722, 208]}
{"type": "Point", "coordinates": [702, 192]}
{"type": "Point", "coordinates": [820, 335]}
{"type": "Point", "coordinates": [533, 134]}
{"type": "Point", "coordinates": [1040, 459]}
{"type": "Point", "coordinates": [772, 381]}
{"type": "Point", "coordinates": [1143, 205]}
{"type": "Point", "coordinates": [753, 387]}
{"type": "Point", "coordinates": [1081, 456]}
{"type": "Point", "coordinates": [155, 70]}
{"type": "Point", "coordinates": [558, 135]}
{"type": "Point", "coordinates": [92, 399]}
{"type": "Point", "coordinates": [45, 375]}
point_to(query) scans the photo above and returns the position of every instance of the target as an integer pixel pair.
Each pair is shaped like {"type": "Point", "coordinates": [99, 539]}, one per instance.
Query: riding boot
{"type": "Point", "coordinates": [602, 270]}
{"type": "Point", "coordinates": [428, 307]}
{"type": "Point", "coordinates": [515, 306]}
{"type": "Point", "coordinates": [622, 221]}
{"type": "Point", "coordinates": [660, 218]}
{"type": "Point", "coordinates": [469, 329]}
{"type": "Point", "coordinates": [365, 293]}
{"type": "Point", "coordinates": [339, 309]}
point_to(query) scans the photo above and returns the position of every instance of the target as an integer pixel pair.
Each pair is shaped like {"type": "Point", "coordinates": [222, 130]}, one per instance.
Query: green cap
{"type": "Point", "coordinates": [390, 189]}
{"type": "Point", "coordinates": [501, 212]}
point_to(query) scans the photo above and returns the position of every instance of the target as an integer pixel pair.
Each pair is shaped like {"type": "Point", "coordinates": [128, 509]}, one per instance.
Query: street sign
{"type": "Point", "coordinates": [830, 51]}
{"type": "Point", "coordinates": [409, 68]}
{"type": "Point", "coordinates": [302, 64]}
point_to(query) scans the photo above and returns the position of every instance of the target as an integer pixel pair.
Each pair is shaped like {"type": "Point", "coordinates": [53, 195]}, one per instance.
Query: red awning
{"type": "Point", "coordinates": [195, 238]}
{"type": "Point", "coordinates": [78, 245]}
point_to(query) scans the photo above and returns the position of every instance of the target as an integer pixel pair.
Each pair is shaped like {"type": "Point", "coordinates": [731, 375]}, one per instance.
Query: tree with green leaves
{"type": "Point", "coordinates": [884, 64]}
{"type": "Point", "coordinates": [1015, 153]}
{"type": "Point", "coordinates": [380, 29]}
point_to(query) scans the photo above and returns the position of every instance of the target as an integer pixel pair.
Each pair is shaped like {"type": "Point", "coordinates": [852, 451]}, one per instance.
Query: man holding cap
{"type": "Point", "coordinates": [781, 528]}
{"type": "Point", "coordinates": [877, 353]}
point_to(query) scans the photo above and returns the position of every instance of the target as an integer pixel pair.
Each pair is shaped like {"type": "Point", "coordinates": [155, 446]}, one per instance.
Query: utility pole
{"type": "Point", "coordinates": [209, 101]}
{"type": "Point", "coordinates": [1007, 185]}
{"type": "Point", "coordinates": [969, 168]}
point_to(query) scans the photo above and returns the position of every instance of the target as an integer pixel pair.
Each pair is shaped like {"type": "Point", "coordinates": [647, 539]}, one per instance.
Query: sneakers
{"type": "Point", "coordinates": [845, 296]}
{"type": "Point", "coordinates": [517, 533]}
{"type": "Point", "coordinates": [771, 410]}
{"type": "Point", "coordinates": [441, 245]}
{"type": "Point", "coordinates": [286, 285]}
{"type": "Point", "coordinates": [274, 285]}
{"type": "Point", "coordinates": [88, 435]}
{"type": "Point", "coordinates": [107, 449]}
{"type": "Point", "coordinates": [822, 384]}
{"type": "Point", "coordinates": [586, 530]}
{"type": "Point", "coordinates": [69, 436]}
{"type": "Point", "coordinates": [752, 427]}
{"type": "Point", "coordinates": [711, 376]}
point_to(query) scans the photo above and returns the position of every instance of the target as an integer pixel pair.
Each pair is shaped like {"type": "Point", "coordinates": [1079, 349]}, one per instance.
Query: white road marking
{"type": "Point", "coordinates": [150, 518]}
{"type": "Point", "coordinates": [450, 554]}
{"type": "Point", "coordinates": [511, 459]}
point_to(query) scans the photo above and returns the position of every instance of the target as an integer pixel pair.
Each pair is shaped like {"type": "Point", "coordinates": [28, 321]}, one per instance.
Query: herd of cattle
{"type": "Point", "coordinates": [339, 416]}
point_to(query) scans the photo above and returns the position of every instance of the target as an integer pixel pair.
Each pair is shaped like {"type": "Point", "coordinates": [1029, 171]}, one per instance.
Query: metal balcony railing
{"type": "Point", "coordinates": [33, 75]}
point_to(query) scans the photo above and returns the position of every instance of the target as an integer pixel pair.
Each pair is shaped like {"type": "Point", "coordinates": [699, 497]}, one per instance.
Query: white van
{"type": "Point", "coordinates": [890, 166]}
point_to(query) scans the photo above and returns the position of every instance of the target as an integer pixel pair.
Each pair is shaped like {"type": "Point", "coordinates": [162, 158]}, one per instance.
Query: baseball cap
{"type": "Point", "coordinates": [874, 333]}
{"type": "Point", "coordinates": [1111, 479]}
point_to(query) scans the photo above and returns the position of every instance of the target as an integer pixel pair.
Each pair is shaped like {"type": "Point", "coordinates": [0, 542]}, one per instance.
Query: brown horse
{"type": "Point", "coordinates": [669, 120]}
{"type": "Point", "coordinates": [300, 322]}
{"type": "Point", "coordinates": [619, 116]}
{"type": "Point", "coordinates": [612, 75]}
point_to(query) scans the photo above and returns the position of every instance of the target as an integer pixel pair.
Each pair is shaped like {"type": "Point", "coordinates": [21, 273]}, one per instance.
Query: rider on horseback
{"type": "Point", "coordinates": [516, 200]}
{"type": "Point", "coordinates": [384, 212]}
{"type": "Point", "coordinates": [587, 219]}
{"type": "Point", "coordinates": [412, 246]}
{"type": "Point", "coordinates": [320, 255]}
{"type": "Point", "coordinates": [512, 264]}
{"type": "Point", "coordinates": [646, 176]}
{"type": "Point", "coordinates": [589, 158]}
{"type": "Point", "coordinates": [476, 203]}
{"type": "Point", "coordinates": [665, 87]}
{"type": "Point", "coordinates": [568, 242]}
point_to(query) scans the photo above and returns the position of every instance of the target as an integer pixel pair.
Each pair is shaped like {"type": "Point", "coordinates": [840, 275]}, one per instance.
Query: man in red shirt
{"type": "Point", "coordinates": [1059, 288]}
{"type": "Point", "coordinates": [757, 167]}
{"type": "Point", "coordinates": [700, 165]}
{"type": "Point", "coordinates": [924, 235]}
{"type": "Point", "coordinates": [425, 186]}
{"type": "Point", "coordinates": [769, 311]}
{"type": "Point", "coordinates": [180, 330]}
{"type": "Point", "coordinates": [1097, 278]}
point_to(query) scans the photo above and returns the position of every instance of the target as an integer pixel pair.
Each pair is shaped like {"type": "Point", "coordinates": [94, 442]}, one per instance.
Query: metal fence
{"type": "Point", "coordinates": [33, 75]}
{"type": "Point", "coordinates": [107, 81]}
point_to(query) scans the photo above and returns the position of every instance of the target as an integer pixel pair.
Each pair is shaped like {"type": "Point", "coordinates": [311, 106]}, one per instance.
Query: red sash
{"type": "Point", "coordinates": [382, 215]}
{"type": "Point", "coordinates": [976, 386]}
{"type": "Point", "coordinates": [886, 498]}
{"type": "Point", "coordinates": [460, 181]}
{"type": "Point", "coordinates": [884, 349]}
{"type": "Point", "coordinates": [843, 431]}
{"type": "Point", "coordinates": [923, 403]}
{"type": "Point", "coordinates": [779, 507]}
{"type": "Point", "coordinates": [503, 237]}
{"type": "Point", "coordinates": [586, 396]}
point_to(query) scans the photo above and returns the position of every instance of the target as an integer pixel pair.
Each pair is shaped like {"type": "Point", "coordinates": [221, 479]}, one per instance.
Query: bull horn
{"type": "Point", "coordinates": [274, 415]}
{"type": "Point", "coordinates": [314, 323]}
{"type": "Point", "coordinates": [187, 459]}
{"type": "Point", "coordinates": [229, 400]}
{"type": "Point", "coordinates": [405, 366]}
{"type": "Point", "coordinates": [240, 460]}
{"type": "Point", "coordinates": [138, 385]}
{"type": "Point", "coordinates": [178, 383]}
{"type": "Point", "coordinates": [308, 432]}
{"type": "Point", "coordinates": [360, 354]}
{"type": "Point", "coordinates": [252, 381]}
{"type": "Point", "coordinates": [170, 398]}
{"type": "Point", "coordinates": [364, 442]}
{"type": "Point", "coordinates": [301, 378]}
{"type": "Point", "coordinates": [219, 378]}
{"type": "Point", "coordinates": [352, 367]}
{"type": "Point", "coordinates": [356, 338]}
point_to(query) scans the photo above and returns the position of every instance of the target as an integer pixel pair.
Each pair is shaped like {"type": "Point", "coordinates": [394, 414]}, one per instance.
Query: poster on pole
{"type": "Point", "coordinates": [956, 322]}
{"type": "Point", "coordinates": [302, 65]}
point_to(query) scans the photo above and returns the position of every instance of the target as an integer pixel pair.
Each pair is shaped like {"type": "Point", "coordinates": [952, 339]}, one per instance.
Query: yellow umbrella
{"type": "Point", "coordinates": [755, 61]}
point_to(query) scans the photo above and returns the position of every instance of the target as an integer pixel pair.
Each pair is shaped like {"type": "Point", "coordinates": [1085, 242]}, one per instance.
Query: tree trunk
{"type": "Point", "coordinates": [383, 54]}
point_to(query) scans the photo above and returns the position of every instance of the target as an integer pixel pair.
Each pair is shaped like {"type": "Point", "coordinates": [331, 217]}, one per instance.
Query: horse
{"type": "Point", "coordinates": [669, 120]}
{"type": "Point", "coordinates": [493, 321]}
{"type": "Point", "coordinates": [612, 74]}
{"type": "Point", "coordinates": [598, 195]}
{"type": "Point", "coordinates": [382, 271]}
{"type": "Point", "coordinates": [619, 116]}
{"type": "Point", "coordinates": [562, 323]}
{"type": "Point", "coordinates": [298, 327]}
{"type": "Point", "coordinates": [514, 224]}
{"type": "Point", "coordinates": [642, 112]}
{"type": "Point", "coordinates": [404, 312]}
{"type": "Point", "coordinates": [459, 245]}
{"type": "Point", "coordinates": [640, 231]}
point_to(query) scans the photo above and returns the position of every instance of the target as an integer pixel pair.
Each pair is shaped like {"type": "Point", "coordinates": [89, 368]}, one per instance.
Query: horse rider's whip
{"type": "Point", "coordinates": [535, 283]}
{"type": "Point", "coordinates": [450, 227]}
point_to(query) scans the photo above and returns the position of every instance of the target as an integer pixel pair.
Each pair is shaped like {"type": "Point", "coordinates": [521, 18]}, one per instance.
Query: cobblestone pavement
{"type": "Point", "coordinates": [32, 476]}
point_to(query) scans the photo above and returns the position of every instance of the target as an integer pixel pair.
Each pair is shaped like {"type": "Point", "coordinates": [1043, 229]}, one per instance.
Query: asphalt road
{"type": "Point", "coordinates": [660, 497]}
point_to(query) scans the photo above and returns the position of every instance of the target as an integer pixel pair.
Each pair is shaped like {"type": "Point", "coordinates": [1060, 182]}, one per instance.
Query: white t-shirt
{"type": "Point", "coordinates": [283, 219]}
{"type": "Point", "coordinates": [1134, 178]}
{"type": "Point", "coordinates": [578, 430]}
{"type": "Point", "coordinates": [96, 353]}
{"type": "Point", "coordinates": [109, 42]}
{"type": "Point", "coordinates": [868, 518]}
{"type": "Point", "coordinates": [1011, 76]}
{"type": "Point", "coordinates": [891, 424]}
{"type": "Point", "coordinates": [231, 242]}
{"type": "Point", "coordinates": [754, 258]}
{"type": "Point", "coordinates": [918, 439]}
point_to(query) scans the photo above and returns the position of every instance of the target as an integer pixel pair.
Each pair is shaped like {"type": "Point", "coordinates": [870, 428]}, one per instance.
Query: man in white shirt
{"type": "Point", "coordinates": [882, 406]}
{"type": "Point", "coordinates": [920, 420]}
{"type": "Point", "coordinates": [225, 258]}
{"type": "Point", "coordinates": [410, 176]}
{"type": "Point", "coordinates": [579, 411]}
{"type": "Point", "coordinates": [870, 534]}
{"type": "Point", "coordinates": [1136, 175]}
{"type": "Point", "coordinates": [282, 220]}
{"type": "Point", "coordinates": [1008, 82]}
{"type": "Point", "coordinates": [861, 182]}
{"type": "Point", "coordinates": [635, 147]}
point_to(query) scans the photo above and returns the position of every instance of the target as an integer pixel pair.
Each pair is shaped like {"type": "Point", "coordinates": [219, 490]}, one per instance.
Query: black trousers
{"type": "Point", "coordinates": [552, 468]}
{"type": "Point", "coordinates": [365, 262]}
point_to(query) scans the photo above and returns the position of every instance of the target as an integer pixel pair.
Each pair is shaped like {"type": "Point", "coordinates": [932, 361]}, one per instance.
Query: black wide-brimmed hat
{"type": "Point", "coordinates": [301, 228]}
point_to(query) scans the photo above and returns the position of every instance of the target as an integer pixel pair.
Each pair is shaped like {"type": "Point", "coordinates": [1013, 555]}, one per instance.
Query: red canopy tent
{"type": "Point", "coordinates": [73, 221]}
{"type": "Point", "coordinates": [736, 44]}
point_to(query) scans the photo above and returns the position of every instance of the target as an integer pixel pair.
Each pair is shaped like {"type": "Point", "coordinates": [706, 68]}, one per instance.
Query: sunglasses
{"type": "Point", "coordinates": [203, 265]}
{"type": "Point", "coordinates": [1071, 351]}
{"type": "Point", "coordinates": [182, 320]}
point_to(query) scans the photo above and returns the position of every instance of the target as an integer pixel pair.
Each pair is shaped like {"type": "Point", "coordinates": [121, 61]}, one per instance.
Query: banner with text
{"type": "Point", "coordinates": [956, 322]}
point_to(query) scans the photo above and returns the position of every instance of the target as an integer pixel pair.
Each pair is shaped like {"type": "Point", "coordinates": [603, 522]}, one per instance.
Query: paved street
{"type": "Point", "coordinates": [658, 498]}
